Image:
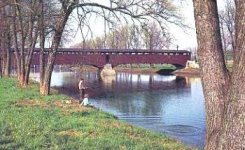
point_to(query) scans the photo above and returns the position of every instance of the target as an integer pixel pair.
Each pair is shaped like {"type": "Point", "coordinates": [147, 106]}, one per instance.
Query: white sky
{"type": "Point", "coordinates": [184, 38]}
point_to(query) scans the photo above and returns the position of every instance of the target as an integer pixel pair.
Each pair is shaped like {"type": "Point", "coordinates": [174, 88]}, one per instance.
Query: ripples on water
{"type": "Point", "coordinates": [167, 104]}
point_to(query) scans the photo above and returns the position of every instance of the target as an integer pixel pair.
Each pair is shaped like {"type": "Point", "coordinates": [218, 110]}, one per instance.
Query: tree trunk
{"type": "Point", "coordinates": [27, 39]}
{"type": "Point", "coordinates": [22, 46]}
{"type": "Point", "coordinates": [42, 67]}
{"type": "Point", "coordinates": [233, 136]}
{"type": "Point", "coordinates": [225, 107]}
{"type": "Point", "coordinates": [5, 43]}
{"type": "Point", "coordinates": [45, 86]}
{"type": "Point", "coordinates": [28, 65]}
{"type": "Point", "coordinates": [15, 42]}
{"type": "Point", "coordinates": [22, 66]}
{"type": "Point", "coordinates": [32, 42]}
{"type": "Point", "coordinates": [214, 72]}
{"type": "Point", "coordinates": [42, 43]}
{"type": "Point", "coordinates": [3, 51]}
{"type": "Point", "coordinates": [0, 65]}
{"type": "Point", "coordinates": [8, 57]}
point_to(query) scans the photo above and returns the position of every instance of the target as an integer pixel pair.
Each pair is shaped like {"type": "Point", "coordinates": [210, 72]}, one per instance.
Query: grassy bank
{"type": "Point", "coordinates": [145, 68]}
{"type": "Point", "coordinates": [30, 121]}
{"type": "Point", "coordinates": [134, 68]}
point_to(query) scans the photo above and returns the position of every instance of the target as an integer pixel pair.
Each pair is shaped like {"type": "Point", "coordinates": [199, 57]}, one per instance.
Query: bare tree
{"type": "Point", "coordinates": [154, 37]}
{"type": "Point", "coordinates": [118, 38]}
{"type": "Point", "coordinates": [1, 41]}
{"type": "Point", "coordinates": [134, 37]}
{"type": "Point", "coordinates": [139, 10]}
{"type": "Point", "coordinates": [41, 33]}
{"type": "Point", "coordinates": [227, 25]}
{"type": "Point", "coordinates": [130, 37]}
{"type": "Point", "coordinates": [3, 3]}
{"type": "Point", "coordinates": [5, 41]}
{"type": "Point", "coordinates": [223, 91]}
{"type": "Point", "coordinates": [24, 36]}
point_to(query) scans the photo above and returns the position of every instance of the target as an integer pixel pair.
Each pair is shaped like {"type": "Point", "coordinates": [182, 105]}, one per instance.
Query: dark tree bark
{"type": "Point", "coordinates": [25, 34]}
{"type": "Point", "coordinates": [214, 72]}
{"type": "Point", "coordinates": [233, 136]}
{"type": "Point", "coordinates": [7, 64]}
{"type": "Point", "coordinates": [224, 98]}
{"type": "Point", "coordinates": [60, 25]}
{"type": "Point", "coordinates": [0, 67]}
{"type": "Point", "coordinates": [42, 42]}
{"type": "Point", "coordinates": [15, 43]}
{"type": "Point", "coordinates": [32, 40]}
{"type": "Point", "coordinates": [18, 31]}
{"type": "Point", "coordinates": [6, 56]}
{"type": "Point", "coordinates": [1, 55]}
{"type": "Point", "coordinates": [5, 41]}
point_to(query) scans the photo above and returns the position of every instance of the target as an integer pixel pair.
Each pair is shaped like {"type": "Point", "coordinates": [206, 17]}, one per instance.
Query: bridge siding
{"type": "Point", "coordinates": [99, 60]}
{"type": "Point", "coordinates": [150, 58]}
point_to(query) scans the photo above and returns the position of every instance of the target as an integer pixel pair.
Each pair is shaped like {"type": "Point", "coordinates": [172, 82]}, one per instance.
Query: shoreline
{"type": "Point", "coordinates": [35, 116]}
{"type": "Point", "coordinates": [76, 101]}
{"type": "Point", "coordinates": [189, 72]}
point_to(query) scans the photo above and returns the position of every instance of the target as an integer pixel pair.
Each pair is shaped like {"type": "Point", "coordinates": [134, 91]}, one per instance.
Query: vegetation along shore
{"type": "Point", "coordinates": [31, 121]}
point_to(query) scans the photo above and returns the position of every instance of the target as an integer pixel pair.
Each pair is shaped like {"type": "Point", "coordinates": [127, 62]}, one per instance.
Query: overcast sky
{"type": "Point", "coordinates": [184, 38]}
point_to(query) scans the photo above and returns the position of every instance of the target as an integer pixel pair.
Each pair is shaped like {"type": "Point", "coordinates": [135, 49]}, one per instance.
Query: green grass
{"type": "Point", "coordinates": [166, 69]}
{"type": "Point", "coordinates": [148, 66]}
{"type": "Point", "coordinates": [30, 121]}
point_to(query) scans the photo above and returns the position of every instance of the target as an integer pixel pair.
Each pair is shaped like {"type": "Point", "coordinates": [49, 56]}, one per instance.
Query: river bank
{"type": "Point", "coordinates": [30, 121]}
{"type": "Point", "coordinates": [143, 70]}
{"type": "Point", "coordinates": [165, 70]}
{"type": "Point", "coordinates": [190, 72]}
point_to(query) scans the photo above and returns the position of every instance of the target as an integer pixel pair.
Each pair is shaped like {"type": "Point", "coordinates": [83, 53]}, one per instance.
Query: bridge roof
{"type": "Point", "coordinates": [112, 50]}
{"type": "Point", "coordinates": [121, 50]}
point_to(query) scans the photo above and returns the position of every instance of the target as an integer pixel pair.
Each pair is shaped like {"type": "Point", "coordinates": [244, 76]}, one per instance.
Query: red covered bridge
{"type": "Point", "coordinates": [99, 58]}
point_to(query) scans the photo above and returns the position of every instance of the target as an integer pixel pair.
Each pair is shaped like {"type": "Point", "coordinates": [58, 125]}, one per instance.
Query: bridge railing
{"type": "Point", "coordinates": [118, 51]}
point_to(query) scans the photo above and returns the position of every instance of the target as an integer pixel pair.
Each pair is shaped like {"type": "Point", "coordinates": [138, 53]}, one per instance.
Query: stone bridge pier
{"type": "Point", "coordinates": [107, 70]}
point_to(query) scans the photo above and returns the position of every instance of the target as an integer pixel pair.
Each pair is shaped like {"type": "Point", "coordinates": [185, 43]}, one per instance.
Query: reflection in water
{"type": "Point", "coordinates": [167, 104]}
{"type": "Point", "coordinates": [108, 81]}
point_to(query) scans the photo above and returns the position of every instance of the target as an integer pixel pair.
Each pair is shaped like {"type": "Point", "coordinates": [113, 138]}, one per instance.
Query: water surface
{"type": "Point", "coordinates": [165, 104]}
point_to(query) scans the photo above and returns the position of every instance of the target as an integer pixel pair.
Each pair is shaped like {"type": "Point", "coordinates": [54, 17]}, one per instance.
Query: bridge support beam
{"type": "Point", "coordinates": [107, 71]}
